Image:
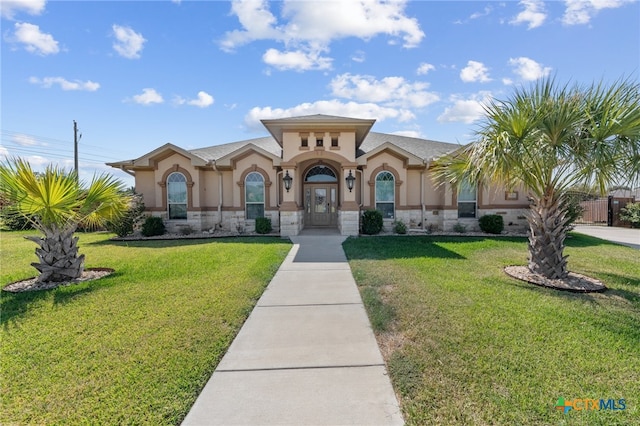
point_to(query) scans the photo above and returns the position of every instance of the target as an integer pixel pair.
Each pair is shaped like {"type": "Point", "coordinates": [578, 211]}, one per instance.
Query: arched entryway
{"type": "Point", "coordinates": [320, 193]}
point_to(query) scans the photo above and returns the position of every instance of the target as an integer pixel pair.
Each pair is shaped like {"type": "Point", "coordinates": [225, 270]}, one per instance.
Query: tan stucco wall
{"type": "Point", "coordinates": [495, 196]}
{"type": "Point", "coordinates": [291, 144]}
{"type": "Point", "coordinates": [146, 185]}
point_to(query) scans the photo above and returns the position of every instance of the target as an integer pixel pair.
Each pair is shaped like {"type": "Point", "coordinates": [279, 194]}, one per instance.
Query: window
{"type": "Point", "coordinates": [304, 141]}
{"type": "Point", "coordinates": [334, 140]}
{"type": "Point", "coordinates": [466, 200]}
{"type": "Point", "coordinates": [385, 194]}
{"type": "Point", "coordinates": [254, 195]}
{"type": "Point", "coordinates": [320, 174]}
{"type": "Point", "coordinates": [177, 196]}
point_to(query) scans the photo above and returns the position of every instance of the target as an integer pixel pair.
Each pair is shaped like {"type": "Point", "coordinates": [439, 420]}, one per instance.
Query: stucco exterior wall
{"type": "Point", "coordinates": [146, 185]}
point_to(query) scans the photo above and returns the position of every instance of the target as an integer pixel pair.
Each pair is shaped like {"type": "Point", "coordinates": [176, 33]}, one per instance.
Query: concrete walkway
{"type": "Point", "coordinates": [625, 236]}
{"type": "Point", "coordinates": [306, 355]}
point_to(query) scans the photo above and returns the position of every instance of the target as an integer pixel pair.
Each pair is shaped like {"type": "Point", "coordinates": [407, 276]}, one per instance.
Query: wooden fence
{"type": "Point", "coordinates": [604, 211]}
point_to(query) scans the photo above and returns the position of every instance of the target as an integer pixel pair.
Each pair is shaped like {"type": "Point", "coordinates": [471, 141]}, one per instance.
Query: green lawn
{"type": "Point", "coordinates": [135, 347]}
{"type": "Point", "coordinates": [466, 344]}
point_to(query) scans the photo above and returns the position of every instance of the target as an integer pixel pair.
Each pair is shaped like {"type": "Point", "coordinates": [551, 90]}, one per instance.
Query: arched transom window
{"type": "Point", "coordinates": [320, 174]}
{"type": "Point", "coordinates": [385, 194]}
{"type": "Point", "coordinates": [254, 195]}
{"type": "Point", "coordinates": [177, 196]}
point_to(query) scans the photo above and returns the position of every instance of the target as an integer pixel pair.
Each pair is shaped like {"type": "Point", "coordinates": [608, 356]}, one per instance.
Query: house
{"type": "Point", "coordinates": [314, 171]}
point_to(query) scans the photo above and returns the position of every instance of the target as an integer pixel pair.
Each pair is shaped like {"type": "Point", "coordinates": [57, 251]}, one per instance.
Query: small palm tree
{"type": "Point", "coordinates": [550, 139]}
{"type": "Point", "coordinates": [56, 203]}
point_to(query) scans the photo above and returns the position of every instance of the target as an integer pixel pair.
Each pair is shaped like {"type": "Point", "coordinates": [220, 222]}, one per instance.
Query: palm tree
{"type": "Point", "coordinates": [549, 139]}
{"type": "Point", "coordinates": [56, 203]}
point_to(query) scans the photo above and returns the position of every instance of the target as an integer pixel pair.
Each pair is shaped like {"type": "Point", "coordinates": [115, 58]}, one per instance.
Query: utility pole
{"type": "Point", "coordinates": [75, 146]}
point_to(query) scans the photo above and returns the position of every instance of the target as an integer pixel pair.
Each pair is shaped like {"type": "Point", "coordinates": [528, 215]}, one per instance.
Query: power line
{"type": "Point", "coordinates": [11, 136]}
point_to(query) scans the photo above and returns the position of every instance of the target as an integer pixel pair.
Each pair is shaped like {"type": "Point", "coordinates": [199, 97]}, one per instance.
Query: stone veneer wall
{"type": "Point", "coordinates": [291, 222]}
{"type": "Point", "coordinates": [349, 222]}
{"type": "Point", "coordinates": [232, 221]}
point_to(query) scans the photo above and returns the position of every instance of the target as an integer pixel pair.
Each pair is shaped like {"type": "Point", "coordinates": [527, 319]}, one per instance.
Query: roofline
{"type": "Point", "coordinates": [276, 127]}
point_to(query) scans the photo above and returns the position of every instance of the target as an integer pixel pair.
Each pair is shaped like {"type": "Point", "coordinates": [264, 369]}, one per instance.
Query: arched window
{"type": "Point", "coordinates": [385, 194]}
{"type": "Point", "coordinates": [254, 195]}
{"type": "Point", "coordinates": [466, 200]}
{"type": "Point", "coordinates": [177, 196]}
{"type": "Point", "coordinates": [320, 174]}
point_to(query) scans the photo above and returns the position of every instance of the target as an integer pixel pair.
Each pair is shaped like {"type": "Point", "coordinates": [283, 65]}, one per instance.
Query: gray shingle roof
{"type": "Point", "coordinates": [267, 143]}
{"type": "Point", "coordinates": [422, 148]}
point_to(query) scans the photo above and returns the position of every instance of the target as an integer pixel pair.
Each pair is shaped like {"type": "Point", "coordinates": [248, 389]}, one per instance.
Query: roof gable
{"type": "Point", "coordinates": [318, 122]}
{"type": "Point", "coordinates": [159, 154]}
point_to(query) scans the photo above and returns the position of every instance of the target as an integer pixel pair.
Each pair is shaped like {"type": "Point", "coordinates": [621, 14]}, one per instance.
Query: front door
{"type": "Point", "coordinates": [321, 204]}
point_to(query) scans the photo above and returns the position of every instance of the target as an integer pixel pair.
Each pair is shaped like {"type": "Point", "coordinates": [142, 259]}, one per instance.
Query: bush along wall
{"type": "Point", "coordinates": [491, 223]}
{"type": "Point", "coordinates": [372, 222]}
{"type": "Point", "coordinates": [263, 225]}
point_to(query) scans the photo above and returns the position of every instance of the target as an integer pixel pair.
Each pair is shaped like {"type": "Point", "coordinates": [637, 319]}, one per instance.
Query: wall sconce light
{"type": "Point", "coordinates": [350, 181]}
{"type": "Point", "coordinates": [287, 181]}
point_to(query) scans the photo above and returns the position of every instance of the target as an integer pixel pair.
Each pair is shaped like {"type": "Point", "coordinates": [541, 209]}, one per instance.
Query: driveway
{"type": "Point", "coordinates": [625, 236]}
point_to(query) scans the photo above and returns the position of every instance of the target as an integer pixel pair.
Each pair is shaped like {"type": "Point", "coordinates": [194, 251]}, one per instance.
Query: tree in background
{"type": "Point", "coordinates": [549, 139]}
{"type": "Point", "coordinates": [55, 202]}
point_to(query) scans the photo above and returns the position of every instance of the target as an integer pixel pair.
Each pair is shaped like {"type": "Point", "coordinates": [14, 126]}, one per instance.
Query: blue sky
{"type": "Point", "coordinates": [136, 75]}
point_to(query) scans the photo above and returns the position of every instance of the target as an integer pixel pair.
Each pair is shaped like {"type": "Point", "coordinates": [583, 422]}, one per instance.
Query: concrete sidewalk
{"type": "Point", "coordinates": [306, 355]}
{"type": "Point", "coordinates": [625, 236]}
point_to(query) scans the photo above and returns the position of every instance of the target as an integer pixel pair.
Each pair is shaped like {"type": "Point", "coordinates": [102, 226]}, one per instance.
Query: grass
{"type": "Point", "coordinates": [135, 347]}
{"type": "Point", "coordinates": [466, 344]}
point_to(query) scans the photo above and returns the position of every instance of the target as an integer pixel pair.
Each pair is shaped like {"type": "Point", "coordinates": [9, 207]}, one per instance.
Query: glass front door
{"type": "Point", "coordinates": [321, 204]}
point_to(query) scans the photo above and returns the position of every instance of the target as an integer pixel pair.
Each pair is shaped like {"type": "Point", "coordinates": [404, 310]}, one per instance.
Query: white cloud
{"type": "Point", "coordinates": [296, 60]}
{"type": "Point", "coordinates": [358, 56]}
{"type": "Point", "coordinates": [465, 110]}
{"type": "Point", "coordinates": [34, 40]}
{"type": "Point", "coordinates": [128, 43]}
{"type": "Point", "coordinates": [307, 33]}
{"type": "Point", "coordinates": [390, 91]}
{"type": "Point", "coordinates": [331, 107]}
{"type": "Point", "coordinates": [475, 72]}
{"type": "Point", "coordinates": [424, 68]}
{"type": "Point", "coordinates": [408, 133]}
{"type": "Point", "coordinates": [579, 12]}
{"type": "Point", "coordinates": [148, 97]}
{"type": "Point", "coordinates": [203, 100]}
{"type": "Point", "coordinates": [476, 15]}
{"type": "Point", "coordinates": [24, 140]}
{"type": "Point", "coordinates": [8, 8]}
{"type": "Point", "coordinates": [65, 84]}
{"type": "Point", "coordinates": [528, 69]}
{"type": "Point", "coordinates": [533, 14]}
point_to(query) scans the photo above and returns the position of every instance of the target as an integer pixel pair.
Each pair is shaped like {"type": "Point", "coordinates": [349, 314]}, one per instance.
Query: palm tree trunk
{"type": "Point", "coordinates": [547, 232]}
{"type": "Point", "coordinates": [58, 255]}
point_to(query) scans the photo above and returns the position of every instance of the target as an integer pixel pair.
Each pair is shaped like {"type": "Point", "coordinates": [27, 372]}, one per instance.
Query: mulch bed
{"type": "Point", "coordinates": [577, 283]}
{"type": "Point", "coordinates": [30, 284]}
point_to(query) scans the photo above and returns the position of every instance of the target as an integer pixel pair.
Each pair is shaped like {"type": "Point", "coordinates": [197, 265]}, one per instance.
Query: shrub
{"type": "Point", "coordinates": [126, 224]}
{"type": "Point", "coordinates": [263, 225]}
{"type": "Point", "coordinates": [460, 228]}
{"type": "Point", "coordinates": [399, 227]}
{"type": "Point", "coordinates": [371, 222]}
{"type": "Point", "coordinates": [11, 221]}
{"type": "Point", "coordinates": [153, 226]}
{"type": "Point", "coordinates": [631, 214]}
{"type": "Point", "coordinates": [572, 208]}
{"type": "Point", "coordinates": [491, 223]}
